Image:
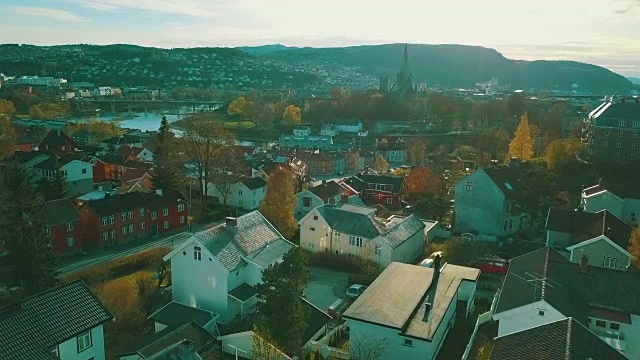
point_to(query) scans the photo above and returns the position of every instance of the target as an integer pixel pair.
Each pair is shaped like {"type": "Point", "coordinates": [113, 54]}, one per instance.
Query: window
{"type": "Point", "coordinates": [182, 219]}
{"type": "Point", "coordinates": [165, 212]}
{"type": "Point", "coordinates": [632, 156]}
{"type": "Point", "coordinates": [69, 226]}
{"type": "Point", "coordinates": [130, 215]}
{"type": "Point", "coordinates": [620, 133]}
{"type": "Point", "coordinates": [197, 253]}
{"type": "Point", "coordinates": [131, 228]}
{"type": "Point", "coordinates": [104, 221]}
{"type": "Point", "coordinates": [84, 341]}
{"type": "Point", "coordinates": [180, 207]}
{"type": "Point", "coordinates": [315, 217]}
{"type": "Point", "coordinates": [601, 323]}
{"type": "Point", "coordinates": [105, 235]}
{"type": "Point", "coordinates": [469, 186]}
{"type": "Point", "coordinates": [141, 211]}
{"type": "Point", "coordinates": [142, 225]}
{"type": "Point", "coordinates": [70, 241]}
{"type": "Point", "coordinates": [510, 224]}
{"type": "Point", "coordinates": [614, 326]}
{"type": "Point", "coordinates": [239, 192]}
{"type": "Point", "coordinates": [84, 170]}
{"type": "Point", "coordinates": [636, 124]}
{"type": "Point", "coordinates": [112, 219]}
{"type": "Point", "coordinates": [125, 230]}
{"type": "Point", "coordinates": [56, 352]}
{"type": "Point", "coordinates": [378, 250]}
{"type": "Point", "coordinates": [609, 262]}
{"type": "Point", "coordinates": [47, 231]}
{"type": "Point", "coordinates": [389, 200]}
{"type": "Point", "coordinates": [618, 154]}
{"type": "Point", "coordinates": [306, 201]}
{"type": "Point", "coordinates": [153, 215]}
{"type": "Point", "coordinates": [506, 223]}
{"type": "Point", "coordinates": [508, 206]}
{"type": "Point", "coordinates": [312, 229]}
{"type": "Point", "coordinates": [113, 233]}
{"type": "Point", "coordinates": [540, 312]}
{"type": "Point", "coordinates": [635, 135]}
{"type": "Point", "coordinates": [605, 144]}
{"type": "Point", "coordinates": [124, 216]}
{"type": "Point", "coordinates": [408, 342]}
{"type": "Point", "coordinates": [606, 133]}
{"type": "Point", "coordinates": [622, 123]}
{"type": "Point", "coordinates": [254, 192]}
{"type": "Point", "coordinates": [633, 146]}
{"type": "Point", "coordinates": [166, 224]}
{"type": "Point", "coordinates": [619, 145]}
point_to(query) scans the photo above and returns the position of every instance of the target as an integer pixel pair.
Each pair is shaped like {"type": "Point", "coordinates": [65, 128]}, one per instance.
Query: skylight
{"type": "Point", "coordinates": [508, 186]}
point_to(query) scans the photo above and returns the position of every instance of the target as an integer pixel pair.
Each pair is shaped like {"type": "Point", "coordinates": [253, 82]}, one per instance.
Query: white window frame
{"type": "Point", "coordinates": [154, 215]}
{"type": "Point", "coordinates": [165, 212]}
{"type": "Point", "coordinates": [84, 341]}
{"type": "Point", "coordinates": [69, 226]}
{"type": "Point", "coordinates": [182, 219]}
{"type": "Point", "coordinates": [105, 235]}
{"type": "Point", "coordinates": [70, 241]}
{"type": "Point", "coordinates": [197, 253]}
{"type": "Point", "coordinates": [620, 133]}
{"type": "Point", "coordinates": [125, 230]}
{"type": "Point", "coordinates": [112, 219]}
{"type": "Point", "coordinates": [180, 207]}
{"type": "Point", "coordinates": [113, 233]}
{"type": "Point", "coordinates": [609, 262]}
{"type": "Point", "coordinates": [104, 221]}
{"type": "Point", "coordinates": [131, 228]}
{"type": "Point", "coordinates": [123, 216]}
{"type": "Point", "coordinates": [141, 211]}
{"type": "Point", "coordinates": [130, 215]}
{"type": "Point", "coordinates": [166, 224]}
{"type": "Point", "coordinates": [469, 186]}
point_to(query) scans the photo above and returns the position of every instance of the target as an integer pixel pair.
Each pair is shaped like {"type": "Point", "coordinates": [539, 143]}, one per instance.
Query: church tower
{"type": "Point", "coordinates": [404, 80]}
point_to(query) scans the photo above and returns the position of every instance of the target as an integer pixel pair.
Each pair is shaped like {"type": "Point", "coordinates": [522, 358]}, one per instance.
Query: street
{"type": "Point", "coordinates": [325, 287]}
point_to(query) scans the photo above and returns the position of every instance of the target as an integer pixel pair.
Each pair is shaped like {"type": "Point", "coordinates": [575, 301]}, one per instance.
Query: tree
{"type": "Point", "coordinates": [238, 107]}
{"type": "Point", "coordinates": [381, 164]}
{"type": "Point", "coordinates": [521, 145]}
{"type": "Point", "coordinates": [352, 161]}
{"type": "Point", "coordinates": [227, 171]}
{"type": "Point", "coordinates": [7, 107]}
{"type": "Point", "coordinates": [32, 261]}
{"type": "Point", "coordinates": [263, 348]}
{"type": "Point", "coordinates": [634, 246]}
{"type": "Point", "coordinates": [432, 207]}
{"type": "Point", "coordinates": [280, 304]}
{"type": "Point", "coordinates": [7, 136]}
{"type": "Point", "coordinates": [203, 137]}
{"type": "Point", "coordinates": [55, 188]}
{"type": "Point", "coordinates": [166, 176]}
{"type": "Point", "coordinates": [416, 151]}
{"type": "Point", "coordinates": [292, 115]}
{"type": "Point", "coordinates": [367, 348]}
{"type": "Point", "coordinates": [35, 112]}
{"type": "Point", "coordinates": [401, 171]}
{"type": "Point", "coordinates": [536, 190]}
{"type": "Point", "coordinates": [560, 152]}
{"type": "Point", "coordinates": [280, 202]}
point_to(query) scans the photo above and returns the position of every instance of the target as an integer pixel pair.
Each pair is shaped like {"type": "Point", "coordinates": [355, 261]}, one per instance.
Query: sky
{"type": "Point", "coordinates": [602, 32]}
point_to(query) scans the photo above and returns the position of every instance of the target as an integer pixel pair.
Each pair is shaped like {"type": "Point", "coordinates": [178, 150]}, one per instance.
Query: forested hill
{"type": "Point", "coordinates": [462, 66]}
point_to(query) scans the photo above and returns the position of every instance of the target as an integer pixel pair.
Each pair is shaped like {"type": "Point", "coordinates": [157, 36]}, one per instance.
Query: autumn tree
{"type": "Point", "coordinates": [416, 151]}
{"type": "Point", "coordinates": [292, 115]}
{"type": "Point", "coordinates": [380, 165]}
{"type": "Point", "coordinates": [521, 145]}
{"type": "Point", "coordinates": [238, 107]}
{"type": "Point", "coordinates": [36, 113]}
{"type": "Point", "coordinates": [166, 176]}
{"type": "Point", "coordinates": [202, 140]}
{"type": "Point", "coordinates": [352, 161]}
{"type": "Point", "coordinates": [98, 130]}
{"type": "Point", "coordinates": [634, 246]}
{"type": "Point", "coordinates": [32, 260]}
{"type": "Point", "coordinates": [280, 202]}
{"type": "Point", "coordinates": [7, 136]}
{"type": "Point", "coordinates": [228, 170]}
{"type": "Point", "coordinates": [284, 315]}
{"type": "Point", "coordinates": [7, 107]}
{"type": "Point", "coordinates": [560, 152]}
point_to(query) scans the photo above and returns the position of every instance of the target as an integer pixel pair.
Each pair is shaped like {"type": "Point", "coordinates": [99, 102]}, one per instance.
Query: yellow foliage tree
{"type": "Point", "coordinates": [381, 164]}
{"type": "Point", "coordinates": [7, 107]}
{"type": "Point", "coordinates": [35, 112]}
{"type": "Point", "coordinates": [634, 246]}
{"type": "Point", "coordinates": [238, 107]}
{"type": "Point", "coordinates": [279, 202]}
{"type": "Point", "coordinates": [292, 115]}
{"type": "Point", "coordinates": [521, 145]}
{"type": "Point", "coordinates": [560, 152]}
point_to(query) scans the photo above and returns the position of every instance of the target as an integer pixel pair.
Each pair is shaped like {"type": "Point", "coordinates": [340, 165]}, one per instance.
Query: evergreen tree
{"type": "Point", "coordinates": [284, 317]}
{"type": "Point", "coordinates": [53, 189]}
{"type": "Point", "coordinates": [522, 144]}
{"type": "Point", "coordinates": [31, 260]}
{"type": "Point", "coordinates": [165, 175]}
{"type": "Point", "coordinates": [279, 203]}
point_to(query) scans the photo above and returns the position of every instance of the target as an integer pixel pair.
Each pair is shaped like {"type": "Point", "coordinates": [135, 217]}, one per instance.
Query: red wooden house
{"type": "Point", "coordinates": [107, 167]}
{"type": "Point", "coordinates": [421, 180]}
{"type": "Point", "coordinates": [58, 142]}
{"type": "Point", "coordinates": [166, 212]}
{"type": "Point", "coordinates": [62, 222]}
{"type": "Point", "coordinates": [379, 189]}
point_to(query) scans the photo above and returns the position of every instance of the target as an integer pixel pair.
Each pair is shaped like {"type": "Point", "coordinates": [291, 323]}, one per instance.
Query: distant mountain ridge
{"type": "Point", "coordinates": [462, 66]}
{"type": "Point", "coordinates": [265, 49]}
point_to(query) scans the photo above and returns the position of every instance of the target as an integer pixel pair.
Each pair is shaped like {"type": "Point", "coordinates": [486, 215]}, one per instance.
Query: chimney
{"type": "Point", "coordinates": [231, 224]}
{"type": "Point", "coordinates": [436, 266]}
{"type": "Point", "coordinates": [584, 264]}
{"type": "Point", "coordinates": [159, 192]}
{"type": "Point", "coordinates": [432, 288]}
{"type": "Point", "coordinates": [344, 198]}
{"type": "Point", "coordinates": [324, 182]}
{"type": "Point", "coordinates": [427, 311]}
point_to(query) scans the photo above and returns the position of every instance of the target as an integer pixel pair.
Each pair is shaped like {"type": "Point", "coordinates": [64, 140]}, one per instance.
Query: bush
{"type": "Point", "coordinates": [334, 262]}
{"type": "Point", "coordinates": [121, 297]}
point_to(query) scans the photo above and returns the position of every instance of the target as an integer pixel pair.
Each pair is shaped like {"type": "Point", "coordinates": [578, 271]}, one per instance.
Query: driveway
{"type": "Point", "coordinates": [325, 287]}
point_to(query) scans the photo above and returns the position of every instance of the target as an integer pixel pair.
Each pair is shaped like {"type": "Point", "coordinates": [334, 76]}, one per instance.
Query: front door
{"type": "Point", "coordinates": [154, 229]}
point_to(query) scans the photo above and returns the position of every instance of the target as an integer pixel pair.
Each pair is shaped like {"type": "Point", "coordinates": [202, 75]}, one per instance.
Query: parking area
{"type": "Point", "coordinates": [325, 287]}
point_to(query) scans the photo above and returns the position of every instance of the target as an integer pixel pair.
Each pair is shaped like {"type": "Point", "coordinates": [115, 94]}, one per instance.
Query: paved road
{"type": "Point", "coordinates": [325, 287]}
{"type": "Point", "coordinates": [97, 257]}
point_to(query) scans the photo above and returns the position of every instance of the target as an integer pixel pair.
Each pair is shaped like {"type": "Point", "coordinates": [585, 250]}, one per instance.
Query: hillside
{"type": "Point", "coordinates": [462, 66]}
{"type": "Point", "coordinates": [634, 80]}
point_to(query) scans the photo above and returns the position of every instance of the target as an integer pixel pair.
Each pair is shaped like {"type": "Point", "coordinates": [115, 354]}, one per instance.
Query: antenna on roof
{"type": "Point", "coordinates": [544, 282]}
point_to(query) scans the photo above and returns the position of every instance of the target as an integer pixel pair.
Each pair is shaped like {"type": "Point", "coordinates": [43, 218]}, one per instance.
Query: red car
{"type": "Point", "coordinates": [492, 265]}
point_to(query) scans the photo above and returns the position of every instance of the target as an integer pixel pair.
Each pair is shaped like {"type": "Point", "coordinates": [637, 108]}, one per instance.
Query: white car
{"type": "Point", "coordinates": [355, 290]}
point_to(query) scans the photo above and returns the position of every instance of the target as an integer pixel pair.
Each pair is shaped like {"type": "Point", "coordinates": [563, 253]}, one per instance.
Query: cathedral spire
{"type": "Point", "coordinates": [406, 55]}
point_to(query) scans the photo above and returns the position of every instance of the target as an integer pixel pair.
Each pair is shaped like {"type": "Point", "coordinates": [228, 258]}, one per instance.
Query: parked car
{"type": "Point", "coordinates": [428, 262]}
{"type": "Point", "coordinates": [492, 265]}
{"type": "Point", "coordinates": [337, 308]}
{"type": "Point", "coordinates": [355, 290]}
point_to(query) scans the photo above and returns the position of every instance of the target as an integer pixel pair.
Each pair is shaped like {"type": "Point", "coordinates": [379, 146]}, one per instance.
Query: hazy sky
{"type": "Point", "coordinates": [603, 32]}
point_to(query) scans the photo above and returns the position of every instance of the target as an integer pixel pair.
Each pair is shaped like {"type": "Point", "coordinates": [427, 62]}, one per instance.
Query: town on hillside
{"type": "Point", "coordinates": [398, 221]}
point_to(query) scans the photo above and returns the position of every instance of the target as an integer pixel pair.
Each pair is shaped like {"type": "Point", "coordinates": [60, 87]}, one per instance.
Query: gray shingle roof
{"type": "Point", "coordinates": [29, 330]}
{"type": "Point", "coordinates": [116, 204]}
{"type": "Point", "coordinates": [352, 220]}
{"type": "Point", "coordinates": [57, 212]}
{"type": "Point", "coordinates": [327, 190]}
{"type": "Point", "coordinates": [253, 234]}
{"type": "Point", "coordinates": [402, 231]}
{"type": "Point", "coordinates": [584, 226]}
{"type": "Point", "coordinates": [175, 313]}
{"type": "Point", "coordinates": [153, 344]}
{"type": "Point", "coordinates": [254, 183]}
{"type": "Point", "coordinates": [564, 339]}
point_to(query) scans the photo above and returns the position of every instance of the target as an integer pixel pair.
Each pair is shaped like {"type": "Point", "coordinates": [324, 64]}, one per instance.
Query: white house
{"type": "Point", "coordinates": [329, 192]}
{"type": "Point", "coordinates": [344, 229]}
{"type": "Point", "coordinates": [216, 270]}
{"type": "Point", "coordinates": [543, 286]}
{"type": "Point", "coordinates": [347, 125]}
{"type": "Point", "coordinates": [302, 131]}
{"type": "Point", "coordinates": [245, 194]}
{"type": "Point", "coordinates": [329, 130]}
{"type": "Point", "coordinates": [601, 237]}
{"type": "Point", "coordinates": [137, 153]}
{"type": "Point", "coordinates": [65, 323]}
{"type": "Point", "coordinates": [408, 310]}
{"type": "Point", "coordinates": [622, 201]}
{"type": "Point", "coordinates": [78, 174]}
{"type": "Point", "coordinates": [102, 91]}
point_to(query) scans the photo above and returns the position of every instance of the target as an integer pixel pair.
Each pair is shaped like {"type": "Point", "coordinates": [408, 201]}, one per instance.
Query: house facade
{"type": "Point", "coordinates": [410, 309]}
{"type": "Point", "coordinates": [107, 167]}
{"type": "Point", "coordinates": [347, 125]}
{"type": "Point", "coordinates": [66, 322]}
{"type": "Point", "coordinates": [385, 190]}
{"type": "Point", "coordinates": [329, 192]}
{"type": "Point", "coordinates": [78, 173]}
{"type": "Point", "coordinates": [622, 200]}
{"type": "Point", "coordinates": [245, 194]}
{"type": "Point", "coordinates": [135, 153]}
{"type": "Point", "coordinates": [484, 203]}
{"type": "Point", "coordinates": [421, 180]}
{"type": "Point", "coordinates": [217, 269]}
{"type": "Point", "coordinates": [58, 142]}
{"type": "Point", "coordinates": [62, 222]}
{"type": "Point", "coordinates": [600, 237]}
{"type": "Point", "coordinates": [613, 130]}
{"type": "Point", "coordinates": [544, 286]}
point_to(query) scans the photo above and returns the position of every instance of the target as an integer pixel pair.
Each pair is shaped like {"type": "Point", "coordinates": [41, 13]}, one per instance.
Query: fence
{"type": "Point", "coordinates": [322, 346]}
{"type": "Point", "coordinates": [482, 319]}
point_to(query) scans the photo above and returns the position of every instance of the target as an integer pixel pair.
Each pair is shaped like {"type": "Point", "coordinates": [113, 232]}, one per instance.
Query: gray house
{"type": "Point", "coordinates": [484, 203]}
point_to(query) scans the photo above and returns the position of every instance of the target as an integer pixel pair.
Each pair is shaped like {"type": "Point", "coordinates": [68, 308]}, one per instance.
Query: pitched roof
{"type": "Point", "coordinates": [566, 288]}
{"type": "Point", "coordinates": [506, 177]}
{"type": "Point", "coordinates": [58, 212]}
{"type": "Point", "coordinates": [156, 202]}
{"type": "Point", "coordinates": [565, 339]}
{"type": "Point", "coordinates": [624, 190]}
{"type": "Point", "coordinates": [109, 158]}
{"type": "Point", "coordinates": [608, 116]}
{"type": "Point", "coordinates": [133, 174]}
{"type": "Point", "coordinates": [56, 138]}
{"type": "Point", "coordinates": [114, 204]}
{"type": "Point", "coordinates": [254, 183]}
{"type": "Point", "coordinates": [346, 121]}
{"type": "Point", "coordinates": [396, 298]}
{"type": "Point", "coordinates": [327, 190]}
{"type": "Point", "coordinates": [249, 239]}
{"type": "Point", "coordinates": [585, 226]}
{"type": "Point", "coordinates": [176, 314]}
{"type": "Point", "coordinates": [29, 330]}
{"type": "Point", "coordinates": [148, 346]}
{"type": "Point", "coordinates": [403, 230]}
{"type": "Point", "coordinates": [396, 182]}
{"type": "Point", "coordinates": [352, 220]}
